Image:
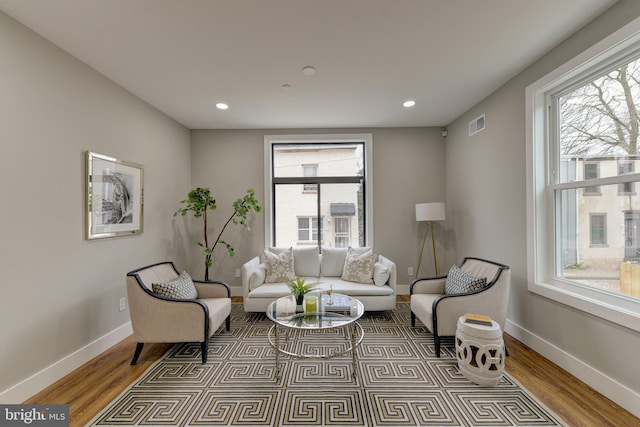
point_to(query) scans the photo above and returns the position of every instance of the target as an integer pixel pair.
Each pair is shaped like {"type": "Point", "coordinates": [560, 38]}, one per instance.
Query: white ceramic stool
{"type": "Point", "coordinates": [480, 352]}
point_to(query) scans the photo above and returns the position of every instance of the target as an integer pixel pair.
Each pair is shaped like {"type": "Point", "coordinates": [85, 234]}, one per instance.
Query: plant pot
{"type": "Point", "coordinates": [299, 299]}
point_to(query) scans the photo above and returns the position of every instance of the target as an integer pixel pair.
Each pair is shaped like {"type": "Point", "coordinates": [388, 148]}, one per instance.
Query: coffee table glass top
{"type": "Point", "coordinates": [320, 313]}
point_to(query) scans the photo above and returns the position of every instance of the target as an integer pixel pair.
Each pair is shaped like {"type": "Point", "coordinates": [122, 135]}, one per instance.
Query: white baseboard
{"type": "Point", "coordinates": [37, 382]}
{"type": "Point", "coordinates": [619, 393]}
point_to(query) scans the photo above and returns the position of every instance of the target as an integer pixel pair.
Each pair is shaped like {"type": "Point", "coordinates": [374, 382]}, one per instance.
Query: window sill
{"type": "Point", "coordinates": [619, 309]}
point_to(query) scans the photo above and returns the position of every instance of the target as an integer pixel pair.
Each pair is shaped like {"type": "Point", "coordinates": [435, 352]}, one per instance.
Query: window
{"type": "Point", "coordinates": [317, 190]}
{"type": "Point", "coordinates": [310, 171]}
{"type": "Point", "coordinates": [626, 188]}
{"type": "Point", "coordinates": [591, 171]}
{"type": "Point", "coordinates": [598, 227]}
{"type": "Point", "coordinates": [582, 140]}
{"type": "Point", "coordinates": [308, 229]}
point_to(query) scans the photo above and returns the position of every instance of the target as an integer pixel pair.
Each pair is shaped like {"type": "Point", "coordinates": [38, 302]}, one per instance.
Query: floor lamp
{"type": "Point", "coordinates": [429, 212]}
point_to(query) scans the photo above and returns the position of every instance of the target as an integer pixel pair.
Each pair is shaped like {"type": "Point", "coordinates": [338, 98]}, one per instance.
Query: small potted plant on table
{"type": "Point", "coordinates": [299, 288]}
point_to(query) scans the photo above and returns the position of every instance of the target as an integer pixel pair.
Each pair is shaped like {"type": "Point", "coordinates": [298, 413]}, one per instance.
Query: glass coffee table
{"type": "Point", "coordinates": [324, 312]}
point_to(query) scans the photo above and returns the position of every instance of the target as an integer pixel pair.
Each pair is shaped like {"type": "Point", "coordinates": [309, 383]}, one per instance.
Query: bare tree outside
{"type": "Point", "coordinates": [601, 117]}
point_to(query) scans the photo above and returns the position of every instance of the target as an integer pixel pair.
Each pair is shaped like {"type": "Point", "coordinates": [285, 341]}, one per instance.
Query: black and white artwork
{"type": "Point", "coordinates": [114, 197]}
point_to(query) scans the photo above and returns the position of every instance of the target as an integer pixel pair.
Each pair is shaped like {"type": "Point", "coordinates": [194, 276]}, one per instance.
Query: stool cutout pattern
{"type": "Point", "coordinates": [480, 352]}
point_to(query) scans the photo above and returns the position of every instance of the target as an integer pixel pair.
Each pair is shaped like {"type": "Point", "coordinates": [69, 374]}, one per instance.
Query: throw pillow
{"type": "Point", "coordinates": [358, 267]}
{"type": "Point", "coordinates": [180, 288]}
{"type": "Point", "coordinates": [381, 274]}
{"type": "Point", "coordinates": [279, 267]}
{"type": "Point", "coordinates": [461, 282]}
{"type": "Point", "coordinates": [257, 277]}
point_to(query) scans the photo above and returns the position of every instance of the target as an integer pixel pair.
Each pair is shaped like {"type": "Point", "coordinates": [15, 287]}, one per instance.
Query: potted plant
{"type": "Point", "coordinates": [299, 288]}
{"type": "Point", "coordinates": [200, 200]}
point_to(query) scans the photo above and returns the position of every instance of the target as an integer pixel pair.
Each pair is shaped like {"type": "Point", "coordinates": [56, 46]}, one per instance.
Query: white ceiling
{"type": "Point", "coordinates": [184, 56]}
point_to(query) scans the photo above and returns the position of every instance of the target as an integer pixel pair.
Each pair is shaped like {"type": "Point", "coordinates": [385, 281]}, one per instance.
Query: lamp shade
{"type": "Point", "coordinates": [430, 211]}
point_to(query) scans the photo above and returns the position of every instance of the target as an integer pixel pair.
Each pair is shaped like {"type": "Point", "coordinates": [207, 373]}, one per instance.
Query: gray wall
{"type": "Point", "coordinates": [486, 209]}
{"type": "Point", "coordinates": [59, 291]}
{"type": "Point", "coordinates": [408, 168]}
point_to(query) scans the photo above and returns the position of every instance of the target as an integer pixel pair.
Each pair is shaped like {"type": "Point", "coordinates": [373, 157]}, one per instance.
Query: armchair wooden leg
{"type": "Point", "coordinates": [413, 319]}
{"type": "Point", "coordinates": [204, 348]}
{"type": "Point", "coordinates": [136, 354]}
{"type": "Point", "coordinates": [228, 323]}
{"type": "Point", "coordinates": [436, 339]}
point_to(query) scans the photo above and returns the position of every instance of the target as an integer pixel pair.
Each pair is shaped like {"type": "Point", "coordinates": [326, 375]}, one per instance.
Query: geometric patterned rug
{"type": "Point", "coordinates": [399, 382]}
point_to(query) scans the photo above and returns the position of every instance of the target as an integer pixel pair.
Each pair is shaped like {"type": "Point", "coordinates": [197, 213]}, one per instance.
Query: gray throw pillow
{"type": "Point", "coordinates": [461, 282]}
{"type": "Point", "coordinates": [180, 288]}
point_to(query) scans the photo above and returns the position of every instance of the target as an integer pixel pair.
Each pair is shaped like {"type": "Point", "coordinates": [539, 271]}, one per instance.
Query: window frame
{"type": "Point", "coordinates": [541, 187]}
{"type": "Point", "coordinates": [367, 179]}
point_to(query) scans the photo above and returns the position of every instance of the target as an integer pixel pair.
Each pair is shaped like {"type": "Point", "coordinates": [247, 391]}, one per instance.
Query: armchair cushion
{"type": "Point", "coordinates": [280, 267]}
{"type": "Point", "coordinates": [358, 267]}
{"type": "Point", "coordinates": [180, 288]}
{"type": "Point", "coordinates": [461, 282]}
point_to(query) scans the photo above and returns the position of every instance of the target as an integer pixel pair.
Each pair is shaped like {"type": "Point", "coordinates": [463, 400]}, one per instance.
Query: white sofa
{"type": "Point", "coordinates": [327, 269]}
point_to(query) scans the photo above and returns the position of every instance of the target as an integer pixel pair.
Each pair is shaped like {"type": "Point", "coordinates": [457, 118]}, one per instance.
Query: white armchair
{"type": "Point", "coordinates": [439, 312]}
{"type": "Point", "coordinates": [160, 319]}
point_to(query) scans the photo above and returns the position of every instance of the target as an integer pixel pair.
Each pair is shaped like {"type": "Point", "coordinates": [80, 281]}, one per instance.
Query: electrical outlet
{"type": "Point", "coordinates": [237, 272]}
{"type": "Point", "coordinates": [410, 271]}
{"type": "Point", "coordinates": [122, 305]}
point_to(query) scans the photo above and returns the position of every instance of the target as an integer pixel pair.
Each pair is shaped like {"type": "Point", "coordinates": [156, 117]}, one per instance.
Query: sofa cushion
{"type": "Point", "coordinates": [381, 274]}
{"type": "Point", "coordinates": [332, 262]}
{"type": "Point", "coordinates": [270, 290]}
{"type": "Point", "coordinates": [358, 267]}
{"type": "Point", "coordinates": [354, 289]}
{"type": "Point", "coordinates": [279, 266]}
{"type": "Point", "coordinates": [277, 290]}
{"type": "Point", "coordinates": [461, 282]}
{"type": "Point", "coordinates": [306, 261]}
{"type": "Point", "coordinates": [180, 288]}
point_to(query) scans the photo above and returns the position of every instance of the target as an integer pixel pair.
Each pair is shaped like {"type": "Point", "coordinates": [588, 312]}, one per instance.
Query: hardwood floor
{"type": "Point", "coordinates": [92, 386]}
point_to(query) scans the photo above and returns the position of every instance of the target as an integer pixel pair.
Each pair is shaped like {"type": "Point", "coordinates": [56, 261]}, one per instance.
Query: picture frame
{"type": "Point", "coordinates": [114, 197]}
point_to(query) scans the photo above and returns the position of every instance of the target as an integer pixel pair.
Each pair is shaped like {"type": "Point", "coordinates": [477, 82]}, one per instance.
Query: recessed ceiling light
{"type": "Point", "coordinates": [409, 103]}
{"type": "Point", "coordinates": [222, 106]}
{"type": "Point", "coordinates": [308, 70]}
{"type": "Point", "coordinates": [286, 86]}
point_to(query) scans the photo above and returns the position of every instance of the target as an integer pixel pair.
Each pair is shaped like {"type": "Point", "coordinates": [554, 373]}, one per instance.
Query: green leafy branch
{"type": "Point", "coordinates": [199, 201]}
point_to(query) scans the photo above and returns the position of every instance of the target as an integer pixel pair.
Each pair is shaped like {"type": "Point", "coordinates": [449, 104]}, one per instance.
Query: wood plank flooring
{"type": "Point", "coordinates": [92, 386]}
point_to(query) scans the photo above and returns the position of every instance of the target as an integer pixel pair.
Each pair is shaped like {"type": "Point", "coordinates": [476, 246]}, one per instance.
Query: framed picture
{"type": "Point", "coordinates": [114, 197]}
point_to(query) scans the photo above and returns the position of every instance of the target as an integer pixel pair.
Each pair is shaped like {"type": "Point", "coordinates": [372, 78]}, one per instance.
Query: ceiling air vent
{"type": "Point", "coordinates": [476, 125]}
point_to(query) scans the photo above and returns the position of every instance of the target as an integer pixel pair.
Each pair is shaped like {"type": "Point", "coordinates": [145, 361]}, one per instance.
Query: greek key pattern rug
{"type": "Point", "coordinates": [399, 382]}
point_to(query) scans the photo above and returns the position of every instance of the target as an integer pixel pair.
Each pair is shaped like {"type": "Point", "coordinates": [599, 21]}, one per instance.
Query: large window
{"type": "Point", "coordinates": [318, 190]}
{"type": "Point", "coordinates": [583, 135]}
